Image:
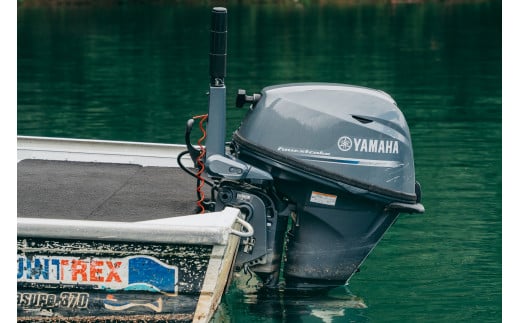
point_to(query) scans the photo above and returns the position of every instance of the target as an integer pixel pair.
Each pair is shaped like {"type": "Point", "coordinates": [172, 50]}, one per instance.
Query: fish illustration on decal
{"type": "Point", "coordinates": [113, 304]}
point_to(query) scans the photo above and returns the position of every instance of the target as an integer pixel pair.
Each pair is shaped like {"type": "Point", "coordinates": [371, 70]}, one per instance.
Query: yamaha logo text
{"type": "Point", "coordinates": [364, 145]}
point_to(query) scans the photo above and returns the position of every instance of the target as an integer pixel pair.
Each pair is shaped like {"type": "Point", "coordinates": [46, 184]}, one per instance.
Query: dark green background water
{"type": "Point", "coordinates": [138, 72]}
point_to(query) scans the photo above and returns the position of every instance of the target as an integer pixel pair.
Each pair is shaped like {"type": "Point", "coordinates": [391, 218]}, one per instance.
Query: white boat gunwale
{"type": "Point", "coordinates": [205, 229]}
{"type": "Point", "coordinates": [102, 151]}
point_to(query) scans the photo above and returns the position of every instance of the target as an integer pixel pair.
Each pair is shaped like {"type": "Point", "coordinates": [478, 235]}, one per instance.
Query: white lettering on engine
{"type": "Point", "coordinates": [363, 145]}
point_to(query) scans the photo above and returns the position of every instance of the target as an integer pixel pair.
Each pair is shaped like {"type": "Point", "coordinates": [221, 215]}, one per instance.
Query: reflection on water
{"type": "Point", "coordinates": [247, 298]}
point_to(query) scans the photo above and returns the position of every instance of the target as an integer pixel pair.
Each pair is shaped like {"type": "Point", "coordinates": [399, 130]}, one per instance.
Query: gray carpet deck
{"type": "Point", "coordinates": [100, 191]}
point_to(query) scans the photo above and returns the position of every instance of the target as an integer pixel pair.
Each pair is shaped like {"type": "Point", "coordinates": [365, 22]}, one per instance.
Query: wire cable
{"type": "Point", "coordinates": [200, 163]}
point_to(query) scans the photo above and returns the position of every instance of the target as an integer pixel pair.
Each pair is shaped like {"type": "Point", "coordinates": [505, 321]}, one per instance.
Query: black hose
{"type": "Point", "coordinates": [189, 171]}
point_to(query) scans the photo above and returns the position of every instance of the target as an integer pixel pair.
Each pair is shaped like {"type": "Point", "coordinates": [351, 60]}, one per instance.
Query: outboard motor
{"type": "Point", "coordinates": [320, 170]}
{"type": "Point", "coordinates": [342, 155]}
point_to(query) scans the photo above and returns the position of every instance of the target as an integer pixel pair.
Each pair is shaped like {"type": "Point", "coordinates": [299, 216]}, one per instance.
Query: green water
{"type": "Point", "coordinates": [138, 72]}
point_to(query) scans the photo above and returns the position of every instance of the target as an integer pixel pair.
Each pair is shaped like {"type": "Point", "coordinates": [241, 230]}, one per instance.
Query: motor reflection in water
{"type": "Point", "coordinates": [248, 302]}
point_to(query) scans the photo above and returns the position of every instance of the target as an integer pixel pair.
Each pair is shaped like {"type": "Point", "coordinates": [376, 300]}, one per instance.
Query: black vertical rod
{"type": "Point", "coordinates": [218, 46]}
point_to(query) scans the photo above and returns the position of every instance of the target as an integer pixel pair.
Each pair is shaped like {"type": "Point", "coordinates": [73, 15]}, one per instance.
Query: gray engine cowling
{"type": "Point", "coordinates": [349, 134]}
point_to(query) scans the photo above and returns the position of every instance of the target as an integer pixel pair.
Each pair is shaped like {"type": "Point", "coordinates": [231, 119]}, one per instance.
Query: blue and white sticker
{"type": "Point", "coordinates": [140, 273]}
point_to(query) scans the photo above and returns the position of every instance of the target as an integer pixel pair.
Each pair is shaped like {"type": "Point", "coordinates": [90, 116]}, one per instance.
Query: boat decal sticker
{"type": "Point", "coordinates": [52, 303]}
{"type": "Point", "coordinates": [133, 273]}
{"type": "Point", "coordinates": [70, 300]}
{"type": "Point", "coordinates": [111, 303]}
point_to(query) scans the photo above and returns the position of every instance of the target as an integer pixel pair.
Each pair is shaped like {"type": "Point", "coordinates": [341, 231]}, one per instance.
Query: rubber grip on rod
{"type": "Point", "coordinates": [218, 45]}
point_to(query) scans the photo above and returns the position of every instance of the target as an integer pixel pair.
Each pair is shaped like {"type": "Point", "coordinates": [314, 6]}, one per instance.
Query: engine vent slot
{"type": "Point", "coordinates": [361, 119]}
